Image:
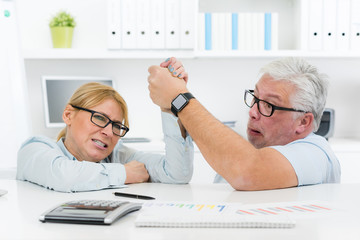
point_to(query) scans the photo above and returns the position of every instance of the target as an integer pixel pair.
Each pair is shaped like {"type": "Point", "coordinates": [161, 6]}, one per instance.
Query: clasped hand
{"type": "Point", "coordinates": [166, 82]}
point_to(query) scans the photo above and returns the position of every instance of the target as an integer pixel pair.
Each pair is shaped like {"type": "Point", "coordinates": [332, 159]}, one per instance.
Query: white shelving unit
{"type": "Point", "coordinates": [37, 54]}
{"type": "Point", "coordinates": [290, 36]}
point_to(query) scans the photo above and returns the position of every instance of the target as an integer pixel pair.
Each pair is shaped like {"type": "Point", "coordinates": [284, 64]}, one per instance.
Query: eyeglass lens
{"type": "Point", "coordinates": [263, 107]}
{"type": "Point", "coordinates": [102, 121]}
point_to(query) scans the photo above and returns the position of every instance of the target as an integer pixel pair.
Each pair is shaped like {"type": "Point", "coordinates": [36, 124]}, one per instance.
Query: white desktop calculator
{"type": "Point", "coordinates": [89, 211]}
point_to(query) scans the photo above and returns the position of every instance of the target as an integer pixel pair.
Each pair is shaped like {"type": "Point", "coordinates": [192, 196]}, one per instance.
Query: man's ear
{"type": "Point", "coordinates": [305, 123]}
{"type": "Point", "coordinates": [68, 114]}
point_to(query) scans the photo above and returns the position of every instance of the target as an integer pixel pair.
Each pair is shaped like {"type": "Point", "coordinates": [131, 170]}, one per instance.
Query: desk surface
{"type": "Point", "coordinates": [21, 206]}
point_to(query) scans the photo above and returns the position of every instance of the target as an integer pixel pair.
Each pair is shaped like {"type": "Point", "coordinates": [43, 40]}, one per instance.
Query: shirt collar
{"type": "Point", "coordinates": [61, 144]}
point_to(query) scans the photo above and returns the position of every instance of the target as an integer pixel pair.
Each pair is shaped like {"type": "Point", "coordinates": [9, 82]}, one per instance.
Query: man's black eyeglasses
{"type": "Point", "coordinates": [265, 108]}
{"type": "Point", "coordinates": [102, 121]}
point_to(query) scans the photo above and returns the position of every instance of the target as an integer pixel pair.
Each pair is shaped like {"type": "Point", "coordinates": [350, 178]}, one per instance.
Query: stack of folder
{"type": "Point", "coordinates": [237, 31]}
{"type": "Point", "coordinates": [151, 24]}
{"type": "Point", "coordinates": [331, 24]}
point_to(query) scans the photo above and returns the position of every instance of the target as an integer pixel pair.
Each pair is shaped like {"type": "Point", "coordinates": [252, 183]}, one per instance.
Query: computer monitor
{"type": "Point", "coordinates": [57, 91]}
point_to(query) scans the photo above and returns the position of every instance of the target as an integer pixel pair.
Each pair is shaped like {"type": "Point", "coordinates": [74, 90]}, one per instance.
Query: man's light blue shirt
{"type": "Point", "coordinates": [48, 163]}
{"type": "Point", "coordinates": [312, 158]}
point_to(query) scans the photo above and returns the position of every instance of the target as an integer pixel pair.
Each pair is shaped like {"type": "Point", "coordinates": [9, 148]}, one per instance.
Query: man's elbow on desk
{"type": "Point", "coordinates": [256, 180]}
{"type": "Point", "coordinates": [244, 183]}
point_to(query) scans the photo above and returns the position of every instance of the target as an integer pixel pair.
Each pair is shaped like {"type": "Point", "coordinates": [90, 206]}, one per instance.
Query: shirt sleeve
{"type": "Point", "coordinates": [41, 161]}
{"type": "Point", "coordinates": [308, 160]}
{"type": "Point", "coordinates": [176, 166]}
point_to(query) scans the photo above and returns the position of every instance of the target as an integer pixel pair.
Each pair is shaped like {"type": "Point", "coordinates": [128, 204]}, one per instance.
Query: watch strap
{"type": "Point", "coordinates": [188, 96]}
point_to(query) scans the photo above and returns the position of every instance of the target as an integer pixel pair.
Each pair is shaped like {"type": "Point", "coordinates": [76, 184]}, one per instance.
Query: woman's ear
{"type": "Point", "coordinates": [68, 114]}
{"type": "Point", "coordinates": [305, 123]}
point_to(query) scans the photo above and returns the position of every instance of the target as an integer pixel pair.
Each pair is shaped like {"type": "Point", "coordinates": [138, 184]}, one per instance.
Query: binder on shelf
{"type": "Point", "coordinates": [329, 21]}
{"type": "Point", "coordinates": [157, 26]}
{"type": "Point", "coordinates": [234, 31]}
{"type": "Point", "coordinates": [241, 31]}
{"type": "Point", "coordinates": [128, 20]}
{"type": "Point", "coordinates": [208, 33]}
{"type": "Point", "coordinates": [302, 20]}
{"type": "Point", "coordinates": [355, 25]}
{"type": "Point", "coordinates": [219, 31]}
{"type": "Point", "coordinates": [260, 43]}
{"type": "Point", "coordinates": [257, 31]}
{"type": "Point", "coordinates": [315, 24]}
{"type": "Point", "coordinates": [267, 32]}
{"type": "Point", "coordinates": [215, 38]}
{"type": "Point", "coordinates": [247, 31]}
{"type": "Point", "coordinates": [252, 32]}
{"type": "Point", "coordinates": [187, 19]}
{"type": "Point", "coordinates": [343, 24]}
{"type": "Point", "coordinates": [201, 31]}
{"type": "Point", "coordinates": [143, 24]}
{"type": "Point", "coordinates": [172, 24]}
{"type": "Point", "coordinates": [227, 31]}
{"type": "Point", "coordinates": [113, 24]}
{"type": "Point", "coordinates": [274, 31]}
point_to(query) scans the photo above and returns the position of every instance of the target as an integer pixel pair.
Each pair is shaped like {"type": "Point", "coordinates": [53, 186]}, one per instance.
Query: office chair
{"type": "Point", "coordinates": [326, 128]}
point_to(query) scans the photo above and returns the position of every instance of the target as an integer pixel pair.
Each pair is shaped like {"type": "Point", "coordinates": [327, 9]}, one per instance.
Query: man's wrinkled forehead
{"type": "Point", "coordinates": [275, 90]}
{"type": "Point", "coordinates": [262, 93]}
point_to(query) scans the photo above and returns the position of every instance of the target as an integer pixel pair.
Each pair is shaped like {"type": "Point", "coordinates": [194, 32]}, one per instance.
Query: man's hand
{"type": "Point", "coordinates": [164, 87]}
{"type": "Point", "coordinates": [136, 172]}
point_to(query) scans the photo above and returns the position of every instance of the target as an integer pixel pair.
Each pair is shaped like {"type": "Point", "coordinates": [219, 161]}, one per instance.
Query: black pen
{"type": "Point", "coordinates": [129, 195]}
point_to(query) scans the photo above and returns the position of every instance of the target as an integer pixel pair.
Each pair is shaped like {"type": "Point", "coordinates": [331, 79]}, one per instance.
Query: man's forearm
{"type": "Point", "coordinates": [221, 146]}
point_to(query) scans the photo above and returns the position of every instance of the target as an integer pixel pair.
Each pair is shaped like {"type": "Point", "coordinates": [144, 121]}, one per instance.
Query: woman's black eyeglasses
{"type": "Point", "coordinates": [102, 121]}
{"type": "Point", "coordinates": [265, 108]}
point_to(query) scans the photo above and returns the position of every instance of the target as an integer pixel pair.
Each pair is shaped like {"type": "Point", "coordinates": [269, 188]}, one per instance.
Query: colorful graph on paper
{"type": "Point", "coordinates": [286, 208]}
{"type": "Point", "coordinates": [294, 209]}
{"type": "Point", "coordinates": [189, 207]}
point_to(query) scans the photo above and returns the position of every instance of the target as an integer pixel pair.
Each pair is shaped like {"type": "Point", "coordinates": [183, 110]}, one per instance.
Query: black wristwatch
{"type": "Point", "coordinates": [180, 102]}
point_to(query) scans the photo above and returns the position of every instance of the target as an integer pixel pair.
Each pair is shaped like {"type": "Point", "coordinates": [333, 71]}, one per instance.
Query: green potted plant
{"type": "Point", "coordinates": [62, 28]}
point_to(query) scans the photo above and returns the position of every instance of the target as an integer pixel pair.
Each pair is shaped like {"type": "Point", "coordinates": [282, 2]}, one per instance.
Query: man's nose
{"type": "Point", "coordinates": [254, 112]}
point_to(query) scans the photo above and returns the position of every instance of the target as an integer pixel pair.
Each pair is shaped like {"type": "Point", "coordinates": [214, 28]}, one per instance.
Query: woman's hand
{"type": "Point", "coordinates": [175, 67]}
{"type": "Point", "coordinates": [136, 172]}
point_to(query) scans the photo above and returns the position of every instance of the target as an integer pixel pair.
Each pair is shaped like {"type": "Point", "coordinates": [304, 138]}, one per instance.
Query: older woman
{"type": "Point", "coordinates": [88, 154]}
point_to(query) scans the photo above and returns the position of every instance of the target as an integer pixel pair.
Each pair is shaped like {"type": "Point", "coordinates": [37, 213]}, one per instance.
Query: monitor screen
{"type": "Point", "coordinates": [57, 91]}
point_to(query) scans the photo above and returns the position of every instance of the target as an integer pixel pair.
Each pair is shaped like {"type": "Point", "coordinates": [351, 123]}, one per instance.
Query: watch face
{"type": "Point", "coordinates": [179, 102]}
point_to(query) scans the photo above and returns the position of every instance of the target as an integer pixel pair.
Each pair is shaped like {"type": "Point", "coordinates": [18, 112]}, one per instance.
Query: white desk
{"type": "Point", "coordinates": [24, 202]}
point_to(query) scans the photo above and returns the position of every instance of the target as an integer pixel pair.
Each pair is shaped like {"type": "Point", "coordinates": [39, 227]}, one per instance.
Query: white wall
{"type": "Point", "coordinates": [13, 92]}
{"type": "Point", "coordinates": [35, 15]}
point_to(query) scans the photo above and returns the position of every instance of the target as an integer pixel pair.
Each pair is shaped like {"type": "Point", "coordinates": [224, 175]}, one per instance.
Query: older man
{"type": "Point", "coordinates": [282, 151]}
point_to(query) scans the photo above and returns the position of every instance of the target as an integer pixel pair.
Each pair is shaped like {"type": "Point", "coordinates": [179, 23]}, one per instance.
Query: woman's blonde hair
{"type": "Point", "coordinates": [90, 95]}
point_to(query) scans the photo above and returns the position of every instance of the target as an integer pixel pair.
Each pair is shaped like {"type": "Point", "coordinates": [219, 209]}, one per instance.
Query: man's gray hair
{"type": "Point", "coordinates": [311, 86]}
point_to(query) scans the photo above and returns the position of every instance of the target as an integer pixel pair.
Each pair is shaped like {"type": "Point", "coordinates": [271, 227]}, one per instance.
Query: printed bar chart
{"type": "Point", "coordinates": [285, 209]}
